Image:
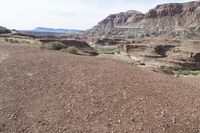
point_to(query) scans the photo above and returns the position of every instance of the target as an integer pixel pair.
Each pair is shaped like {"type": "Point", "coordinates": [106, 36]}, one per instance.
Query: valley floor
{"type": "Point", "coordinates": [54, 92]}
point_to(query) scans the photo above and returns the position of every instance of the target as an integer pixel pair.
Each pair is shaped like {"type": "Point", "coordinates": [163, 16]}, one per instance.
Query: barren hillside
{"type": "Point", "coordinates": [48, 91]}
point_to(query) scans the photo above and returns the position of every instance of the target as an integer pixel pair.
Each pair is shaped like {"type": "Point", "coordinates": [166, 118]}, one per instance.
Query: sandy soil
{"type": "Point", "coordinates": [3, 56]}
{"type": "Point", "coordinates": [47, 91]}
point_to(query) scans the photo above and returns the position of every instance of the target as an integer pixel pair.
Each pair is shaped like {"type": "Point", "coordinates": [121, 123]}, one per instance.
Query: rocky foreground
{"type": "Point", "coordinates": [48, 91]}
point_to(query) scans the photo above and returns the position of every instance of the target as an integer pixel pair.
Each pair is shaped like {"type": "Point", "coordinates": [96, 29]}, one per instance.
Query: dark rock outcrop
{"type": "Point", "coordinates": [196, 57]}
{"type": "Point", "coordinates": [4, 30]}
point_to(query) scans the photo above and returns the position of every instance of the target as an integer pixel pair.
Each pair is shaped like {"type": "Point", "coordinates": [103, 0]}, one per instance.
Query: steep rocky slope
{"type": "Point", "coordinates": [172, 16]}
{"type": "Point", "coordinates": [121, 19]}
{"type": "Point", "coordinates": [4, 30]}
{"type": "Point", "coordinates": [177, 17]}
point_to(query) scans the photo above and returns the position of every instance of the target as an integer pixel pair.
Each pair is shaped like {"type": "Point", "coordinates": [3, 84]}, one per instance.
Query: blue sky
{"type": "Point", "coordinates": [77, 14]}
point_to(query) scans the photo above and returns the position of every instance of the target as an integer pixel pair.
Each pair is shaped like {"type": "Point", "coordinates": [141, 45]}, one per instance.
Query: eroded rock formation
{"type": "Point", "coordinates": [4, 30]}
{"type": "Point", "coordinates": [163, 18]}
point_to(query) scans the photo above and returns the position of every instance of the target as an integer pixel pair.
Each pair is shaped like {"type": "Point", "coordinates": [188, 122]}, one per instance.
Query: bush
{"type": "Point", "coordinates": [54, 46]}
{"type": "Point", "coordinates": [15, 40]}
{"type": "Point", "coordinates": [72, 50]}
{"type": "Point", "coordinates": [11, 40]}
{"type": "Point", "coordinates": [185, 72]}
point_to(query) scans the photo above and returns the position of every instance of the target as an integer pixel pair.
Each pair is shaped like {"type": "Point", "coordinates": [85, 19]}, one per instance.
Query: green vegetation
{"type": "Point", "coordinates": [53, 46]}
{"type": "Point", "coordinates": [72, 50]}
{"type": "Point", "coordinates": [16, 40]}
{"type": "Point", "coordinates": [59, 46]}
{"type": "Point", "coordinates": [180, 71]}
{"type": "Point", "coordinates": [106, 49]}
{"type": "Point", "coordinates": [12, 40]}
{"type": "Point", "coordinates": [187, 72]}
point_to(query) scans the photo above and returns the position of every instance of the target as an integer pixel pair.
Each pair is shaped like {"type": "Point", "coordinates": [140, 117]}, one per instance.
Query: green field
{"type": "Point", "coordinates": [106, 49]}
{"type": "Point", "coordinates": [187, 72]}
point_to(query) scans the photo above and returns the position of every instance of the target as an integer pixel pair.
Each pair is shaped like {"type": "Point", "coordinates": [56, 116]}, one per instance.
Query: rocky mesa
{"type": "Point", "coordinates": [163, 18]}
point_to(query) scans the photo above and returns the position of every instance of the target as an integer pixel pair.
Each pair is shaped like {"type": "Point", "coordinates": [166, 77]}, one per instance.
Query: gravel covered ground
{"type": "Point", "coordinates": [53, 92]}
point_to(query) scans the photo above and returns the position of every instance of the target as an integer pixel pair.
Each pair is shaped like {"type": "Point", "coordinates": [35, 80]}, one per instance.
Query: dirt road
{"type": "Point", "coordinates": [47, 91]}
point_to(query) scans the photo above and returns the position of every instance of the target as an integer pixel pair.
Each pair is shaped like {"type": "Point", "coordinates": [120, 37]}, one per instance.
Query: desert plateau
{"type": "Point", "coordinates": [133, 72]}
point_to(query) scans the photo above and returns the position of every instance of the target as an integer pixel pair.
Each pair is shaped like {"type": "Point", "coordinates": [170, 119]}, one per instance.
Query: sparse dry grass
{"type": "Point", "coordinates": [17, 40]}
{"type": "Point", "coordinates": [106, 50]}
{"type": "Point", "coordinates": [72, 50]}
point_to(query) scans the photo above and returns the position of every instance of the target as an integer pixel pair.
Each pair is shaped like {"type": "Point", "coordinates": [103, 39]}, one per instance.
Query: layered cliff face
{"type": "Point", "coordinates": [166, 17]}
{"type": "Point", "coordinates": [4, 30]}
{"type": "Point", "coordinates": [172, 16]}
{"type": "Point", "coordinates": [121, 19]}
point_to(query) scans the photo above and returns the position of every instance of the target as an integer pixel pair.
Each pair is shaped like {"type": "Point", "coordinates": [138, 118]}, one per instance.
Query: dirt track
{"type": "Point", "coordinates": [53, 92]}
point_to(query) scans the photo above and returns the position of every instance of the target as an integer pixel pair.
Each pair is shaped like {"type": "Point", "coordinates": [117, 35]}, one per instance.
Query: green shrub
{"type": "Point", "coordinates": [54, 46]}
{"type": "Point", "coordinates": [72, 50]}
{"type": "Point", "coordinates": [25, 41]}
{"type": "Point", "coordinates": [194, 73]}
{"type": "Point", "coordinates": [187, 72]}
{"type": "Point", "coordinates": [180, 71]}
{"type": "Point", "coordinates": [12, 40]}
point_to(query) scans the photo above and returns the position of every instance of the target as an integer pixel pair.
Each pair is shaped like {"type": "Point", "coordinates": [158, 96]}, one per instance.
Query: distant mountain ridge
{"type": "Point", "coordinates": [52, 30]}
